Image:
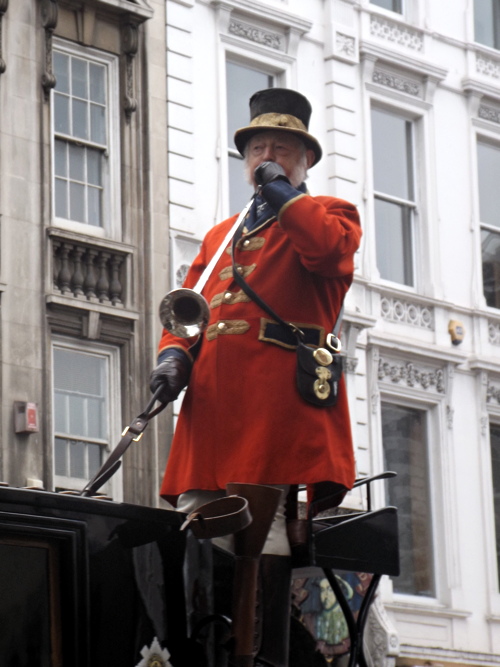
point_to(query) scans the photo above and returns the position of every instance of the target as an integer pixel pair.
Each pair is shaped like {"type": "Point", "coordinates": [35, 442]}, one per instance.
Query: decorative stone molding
{"type": "Point", "coordinates": [130, 44]}
{"type": "Point", "coordinates": [489, 113]}
{"type": "Point", "coordinates": [404, 312]}
{"type": "Point", "coordinates": [258, 35]}
{"type": "Point", "coordinates": [352, 326]}
{"type": "Point", "coordinates": [345, 47]}
{"type": "Point", "coordinates": [381, 636]}
{"type": "Point", "coordinates": [406, 373]}
{"type": "Point", "coordinates": [494, 332]}
{"type": "Point", "coordinates": [396, 33]}
{"type": "Point", "coordinates": [4, 5]}
{"type": "Point", "coordinates": [345, 44]}
{"type": "Point", "coordinates": [397, 82]}
{"type": "Point", "coordinates": [492, 392]}
{"type": "Point", "coordinates": [488, 66]}
{"type": "Point", "coordinates": [49, 13]}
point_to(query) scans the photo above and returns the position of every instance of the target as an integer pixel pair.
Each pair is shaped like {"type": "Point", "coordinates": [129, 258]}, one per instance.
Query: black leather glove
{"type": "Point", "coordinates": [267, 172]}
{"type": "Point", "coordinates": [171, 374]}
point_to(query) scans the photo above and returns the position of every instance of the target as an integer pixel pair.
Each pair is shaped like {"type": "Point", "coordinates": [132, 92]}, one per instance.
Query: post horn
{"type": "Point", "coordinates": [185, 312]}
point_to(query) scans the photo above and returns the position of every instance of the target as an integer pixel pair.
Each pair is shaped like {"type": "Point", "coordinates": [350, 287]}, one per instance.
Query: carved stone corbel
{"type": "Point", "coordinates": [130, 44]}
{"type": "Point", "coordinates": [4, 4]}
{"type": "Point", "coordinates": [49, 12]}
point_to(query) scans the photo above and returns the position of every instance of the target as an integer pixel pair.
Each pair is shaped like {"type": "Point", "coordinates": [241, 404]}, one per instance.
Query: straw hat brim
{"type": "Point", "coordinates": [277, 123]}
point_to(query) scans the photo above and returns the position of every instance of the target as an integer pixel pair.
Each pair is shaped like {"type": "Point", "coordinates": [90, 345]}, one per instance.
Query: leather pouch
{"type": "Point", "coordinates": [318, 380]}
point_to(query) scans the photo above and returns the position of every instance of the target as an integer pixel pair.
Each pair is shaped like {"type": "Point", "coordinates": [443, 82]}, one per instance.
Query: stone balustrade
{"type": "Point", "coordinates": [89, 271]}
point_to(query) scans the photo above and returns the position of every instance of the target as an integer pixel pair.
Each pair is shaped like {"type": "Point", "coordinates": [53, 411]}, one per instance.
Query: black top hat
{"type": "Point", "coordinates": [279, 109]}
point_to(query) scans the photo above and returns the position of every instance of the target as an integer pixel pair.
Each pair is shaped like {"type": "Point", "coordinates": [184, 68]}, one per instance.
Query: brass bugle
{"type": "Point", "coordinates": [184, 312]}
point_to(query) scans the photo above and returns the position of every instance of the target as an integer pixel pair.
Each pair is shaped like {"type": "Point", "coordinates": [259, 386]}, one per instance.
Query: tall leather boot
{"type": "Point", "coordinates": [275, 605]}
{"type": "Point", "coordinates": [248, 544]}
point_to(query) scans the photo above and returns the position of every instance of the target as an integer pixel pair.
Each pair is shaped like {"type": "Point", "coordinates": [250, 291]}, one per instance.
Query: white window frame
{"type": "Point", "coordinates": [391, 12]}
{"type": "Point", "coordinates": [492, 138]}
{"type": "Point", "coordinates": [490, 565]}
{"type": "Point", "coordinates": [111, 215]}
{"type": "Point", "coordinates": [496, 46]}
{"type": "Point", "coordinates": [113, 487]}
{"type": "Point", "coordinates": [279, 67]}
{"type": "Point", "coordinates": [233, 152]}
{"type": "Point", "coordinates": [441, 471]}
{"type": "Point", "coordinates": [416, 228]}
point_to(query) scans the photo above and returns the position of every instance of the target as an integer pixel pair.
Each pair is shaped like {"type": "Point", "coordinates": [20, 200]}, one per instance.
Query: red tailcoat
{"type": "Point", "coordinates": [242, 418]}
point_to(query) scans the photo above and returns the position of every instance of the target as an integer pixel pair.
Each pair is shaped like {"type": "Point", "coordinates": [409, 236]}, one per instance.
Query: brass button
{"type": "Point", "coordinates": [228, 296]}
{"type": "Point", "coordinates": [246, 243]}
{"type": "Point", "coordinates": [222, 326]}
{"type": "Point", "coordinates": [322, 356]}
{"type": "Point", "coordinates": [239, 269]}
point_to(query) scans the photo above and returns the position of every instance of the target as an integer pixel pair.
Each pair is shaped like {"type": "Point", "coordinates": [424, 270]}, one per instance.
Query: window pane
{"type": "Point", "coordinates": [487, 22]}
{"type": "Point", "coordinates": [61, 413]}
{"type": "Point", "coordinates": [77, 202]}
{"type": "Point", "coordinates": [488, 166]}
{"type": "Point", "coordinates": [61, 457]}
{"type": "Point", "coordinates": [97, 83]}
{"type": "Point", "coordinates": [94, 167]}
{"type": "Point", "coordinates": [490, 246]}
{"type": "Point", "coordinates": [406, 452]}
{"type": "Point", "coordinates": [95, 426]}
{"type": "Point", "coordinates": [61, 198]}
{"type": "Point", "coordinates": [392, 155]}
{"type": "Point", "coordinates": [76, 163]}
{"type": "Point", "coordinates": [242, 82]}
{"type": "Point", "coordinates": [77, 459]}
{"type": "Point", "coordinates": [77, 415]}
{"type": "Point", "coordinates": [79, 118]}
{"type": "Point", "coordinates": [95, 459]}
{"type": "Point", "coordinates": [61, 72]}
{"type": "Point", "coordinates": [94, 206]}
{"type": "Point", "coordinates": [79, 79]}
{"type": "Point", "coordinates": [495, 469]}
{"type": "Point", "coordinates": [60, 158]}
{"type": "Point", "coordinates": [61, 114]}
{"type": "Point", "coordinates": [392, 5]}
{"type": "Point", "coordinates": [239, 190]}
{"type": "Point", "coordinates": [97, 124]}
{"type": "Point", "coordinates": [394, 242]}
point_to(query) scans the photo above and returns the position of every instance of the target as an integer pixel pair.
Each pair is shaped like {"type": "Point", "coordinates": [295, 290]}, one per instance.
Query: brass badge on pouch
{"type": "Point", "coordinates": [322, 356]}
{"type": "Point", "coordinates": [321, 386]}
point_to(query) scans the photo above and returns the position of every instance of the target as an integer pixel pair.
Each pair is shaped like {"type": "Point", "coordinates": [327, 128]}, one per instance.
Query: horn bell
{"type": "Point", "coordinates": [184, 312]}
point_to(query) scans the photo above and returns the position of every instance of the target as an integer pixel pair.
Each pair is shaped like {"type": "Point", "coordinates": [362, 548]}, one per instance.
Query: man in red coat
{"type": "Point", "coordinates": [242, 418]}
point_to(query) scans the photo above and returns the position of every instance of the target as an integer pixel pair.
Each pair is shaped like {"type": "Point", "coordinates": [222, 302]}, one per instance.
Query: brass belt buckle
{"type": "Point", "coordinates": [333, 342]}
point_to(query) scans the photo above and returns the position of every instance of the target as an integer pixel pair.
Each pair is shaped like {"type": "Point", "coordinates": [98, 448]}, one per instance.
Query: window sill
{"type": "Point", "coordinates": [424, 607]}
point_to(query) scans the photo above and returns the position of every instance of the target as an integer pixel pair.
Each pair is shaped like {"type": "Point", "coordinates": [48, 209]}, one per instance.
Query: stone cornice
{"type": "Point", "coordinates": [417, 66]}
{"type": "Point", "coordinates": [263, 12]}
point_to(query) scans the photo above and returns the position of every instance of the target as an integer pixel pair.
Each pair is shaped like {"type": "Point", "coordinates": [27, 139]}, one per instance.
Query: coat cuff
{"type": "Point", "coordinates": [279, 193]}
{"type": "Point", "coordinates": [174, 352]}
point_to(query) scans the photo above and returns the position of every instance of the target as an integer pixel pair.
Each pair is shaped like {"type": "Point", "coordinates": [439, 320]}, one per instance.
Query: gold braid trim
{"type": "Point", "coordinates": [227, 327]}
{"type": "Point", "coordinates": [228, 271]}
{"type": "Point", "coordinates": [251, 243]}
{"type": "Point", "coordinates": [236, 297]}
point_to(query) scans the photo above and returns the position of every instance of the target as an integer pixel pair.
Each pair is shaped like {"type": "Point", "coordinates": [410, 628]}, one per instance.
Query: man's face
{"type": "Point", "coordinates": [326, 594]}
{"type": "Point", "coordinates": [282, 148]}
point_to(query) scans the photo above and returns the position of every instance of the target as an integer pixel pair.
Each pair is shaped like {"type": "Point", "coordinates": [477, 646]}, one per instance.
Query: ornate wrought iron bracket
{"type": "Point", "coordinates": [49, 12]}
{"type": "Point", "coordinates": [4, 4]}
{"type": "Point", "coordinates": [130, 44]}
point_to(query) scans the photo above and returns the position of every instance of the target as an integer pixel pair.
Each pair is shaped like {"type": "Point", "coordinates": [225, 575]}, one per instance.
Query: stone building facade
{"type": "Point", "coordinates": [83, 235]}
{"type": "Point", "coordinates": [116, 156]}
